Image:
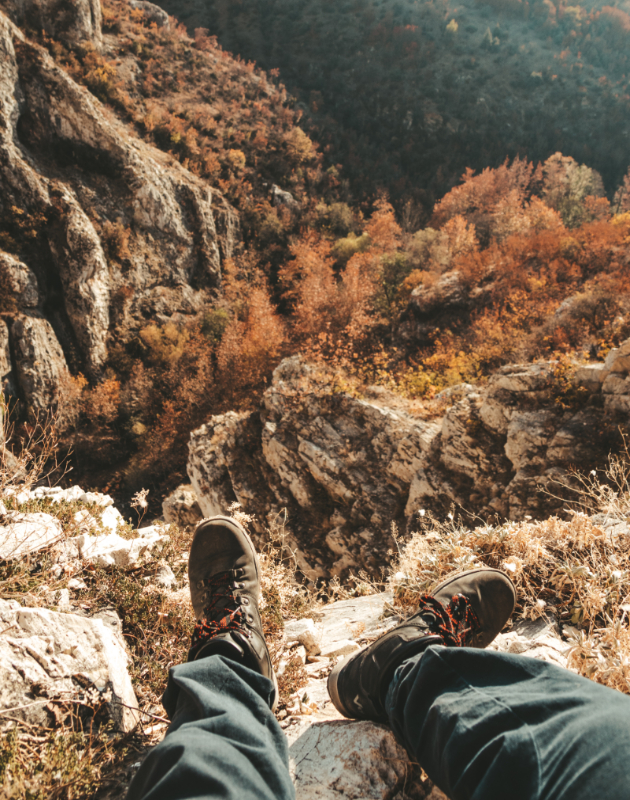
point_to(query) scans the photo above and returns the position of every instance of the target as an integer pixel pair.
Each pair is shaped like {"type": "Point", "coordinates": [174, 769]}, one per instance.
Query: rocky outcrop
{"type": "Point", "coordinates": [105, 231]}
{"type": "Point", "coordinates": [40, 364]}
{"type": "Point", "coordinates": [82, 267]}
{"type": "Point", "coordinates": [345, 468]}
{"type": "Point", "coordinates": [437, 304]}
{"type": "Point", "coordinates": [19, 284]}
{"type": "Point", "coordinates": [341, 466]}
{"type": "Point", "coordinates": [48, 658]}
{"type": "Point", "coordinates": [152, 12]}
{"type": "Point", "coordinates": [6, 384]}
{"type": "Point", "coordinates": [70, 23]}
{"type": "Point", "coordinates": [181, 507]}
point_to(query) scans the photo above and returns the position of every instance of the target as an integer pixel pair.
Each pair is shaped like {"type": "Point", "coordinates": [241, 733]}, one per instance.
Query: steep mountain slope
{"type": "Point", "coordinates": [117, 131]}
{"type": "Point", "coordinates": [406, 95]}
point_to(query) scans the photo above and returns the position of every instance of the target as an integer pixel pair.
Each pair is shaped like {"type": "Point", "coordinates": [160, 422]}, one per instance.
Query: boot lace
{"type": "Point", "coordinates": [218, 616]}
{"type": "Point", "coordinates": [456, 623]}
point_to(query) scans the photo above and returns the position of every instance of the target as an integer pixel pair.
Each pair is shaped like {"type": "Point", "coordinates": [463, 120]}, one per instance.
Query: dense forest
{"type": "Point", "coordinates": [407, 95]}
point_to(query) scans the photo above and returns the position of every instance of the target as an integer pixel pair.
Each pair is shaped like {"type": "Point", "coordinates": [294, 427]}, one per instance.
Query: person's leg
{"type": "Point", "coordinates": [491, 725]}
{"type": "Point", "coordinates": [223, 742]}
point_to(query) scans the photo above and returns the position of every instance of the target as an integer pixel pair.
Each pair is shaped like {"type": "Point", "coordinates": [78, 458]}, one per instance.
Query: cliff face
{"type": "Point", "coordinates": [100, 232]}
{"type": "Point", "coordinates": [346, 468]}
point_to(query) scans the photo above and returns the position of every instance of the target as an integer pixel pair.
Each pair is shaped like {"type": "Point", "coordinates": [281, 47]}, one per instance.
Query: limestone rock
{"type": "Point", "coordinates": [111, 518]}
{"type": "Point", "coordinates": [344, 647]}
{"type": "Point", "coordinates": [27, 533]}
{"type": "Point", "coordinates": [47, 656]}
{"type": "Point", "coordinates": [449, 292]}
{"type": "Point", "coordinates": [6, 368]}
{"type": "Point", "coordinates": [22, 281]}
{"type": "Point", "coordinates": [81, 264]}
{"type": "Point", "coordinates": [181, 507]}
{"type": "Point", "coordinates": [225, 464]}
{"type": "Point", "coordinates": [93, 185]}
{"type": "Point", "coordinates": [346, 468]}
{"type": "Point", "coordinates": [302, 631]}
{"type": "Point", "coordinates": [70, 23]}
{"type": "Point", "coordinates": [281, 198]}
{"type": "Point", "coordinates": [111, 549]}
{"type": "Point", "coordinates": [152, 12]}
{"type": "Point", "coordinates": [341, 466]}
{"type": "Point", "coordinates": [343, 759]}
{"type": "Point", "coordinates": [72, 493]}
{"type": "Point", "coordinates": [356, 618]}
{"type": "Point", "coordinates": [39, 361]}
{"type": "Point", "coordinates": [534, 638]}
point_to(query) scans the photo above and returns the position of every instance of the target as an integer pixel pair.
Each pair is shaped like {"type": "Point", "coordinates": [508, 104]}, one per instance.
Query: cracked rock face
{"type": "Point", "coordinates": [40, 364]}
{"type": "Point", "coordinates": [346, 468]}
{"type": "Point", "coordinates": [123, 233]}
{"type": "Point", "coordinates": [46, 655]}
{"type": "Point", "coordinates": [70, 23]}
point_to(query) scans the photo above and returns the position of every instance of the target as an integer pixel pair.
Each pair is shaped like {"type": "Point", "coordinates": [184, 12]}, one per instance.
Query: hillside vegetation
{"type": "Point", "coordinates": [406, 94]}
{"type": "Point", "coordinates": [519, 263]}
{"type": "Point", "coordinates": [522, 260]}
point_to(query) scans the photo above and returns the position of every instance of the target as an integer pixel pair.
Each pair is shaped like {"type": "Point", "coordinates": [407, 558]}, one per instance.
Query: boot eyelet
{"type": "Point", "coordinates": [204, 596]}
{"type": "Point", "coordinates": [249, 618]}
{"type": "Point", "coordinates": [244, 601]}
{"type": "Point", "coordinates": [239, 585]}
{"type": "Point", "coordinates": [199, 584]}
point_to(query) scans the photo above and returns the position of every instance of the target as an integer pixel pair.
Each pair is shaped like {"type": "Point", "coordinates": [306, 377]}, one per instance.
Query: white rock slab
{"type": "Point", "coordinates": [27, 533]}
{"type": "Point", "coordinates": [344, 647]}
{"type": "Point", "coordinates": [111, 518]}
{"type": "Point", "coordinates": [112, 550]}
{"type": "Point", "coordinates": [355, 618]}
{"type": "Point", "coordinates": [41, 654]}
{"type": "Point", "coordinates": [304, 632]}
{"type": "Point", "coordinates": [538, 638]}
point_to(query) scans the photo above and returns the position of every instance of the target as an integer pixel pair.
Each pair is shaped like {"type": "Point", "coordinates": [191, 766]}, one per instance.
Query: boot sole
{"type": "Point", "coordinates": [333, 693]}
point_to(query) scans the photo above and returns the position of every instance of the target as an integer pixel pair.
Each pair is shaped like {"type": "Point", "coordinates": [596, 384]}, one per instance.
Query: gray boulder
{"type": "Point", "coordinates": [39, 362]}
{"type": "Point", "coordinates": [152, 12]}
{"type": "Point", "coordinates": [47, 657]}
{"type": "Point", "coordinates": [181, 507]}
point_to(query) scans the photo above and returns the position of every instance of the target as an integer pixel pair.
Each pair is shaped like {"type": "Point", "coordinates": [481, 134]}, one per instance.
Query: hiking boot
{"type": "Point", "coordinates": [225, 592]}
{"type": "Point", "coordinates": [465, 610]}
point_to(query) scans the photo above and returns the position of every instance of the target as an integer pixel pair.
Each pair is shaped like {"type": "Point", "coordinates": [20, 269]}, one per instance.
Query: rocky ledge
{"type": "Point", "coordinates": [74, 179]}
{"type": "Point", "coordinates": [60, 655]}
{"type": "Point", "coordinates": [342, 468]}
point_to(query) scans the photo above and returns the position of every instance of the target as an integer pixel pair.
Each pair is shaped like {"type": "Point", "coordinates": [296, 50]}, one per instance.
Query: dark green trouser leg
{"type": "Point", "coordinates": [487, 726]}
{"type": "Point", "coordinates": [224, 742]}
